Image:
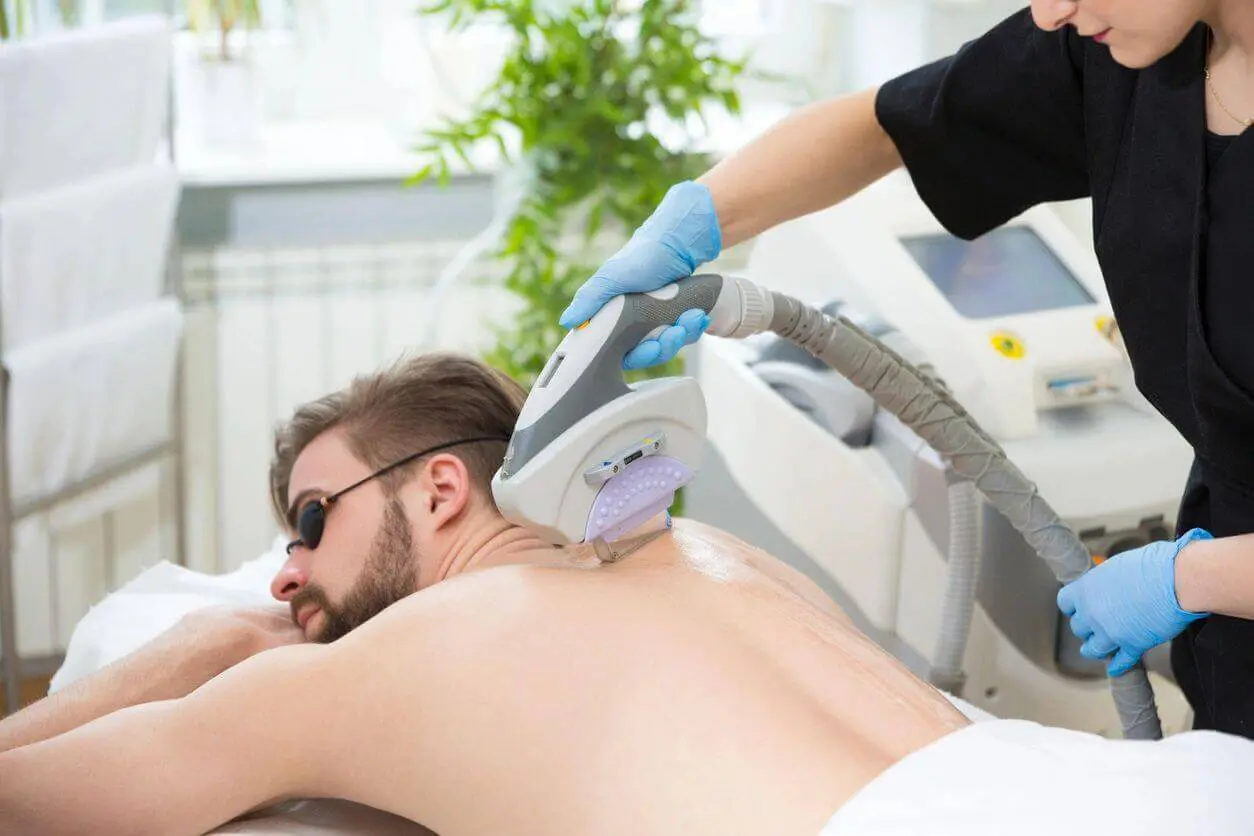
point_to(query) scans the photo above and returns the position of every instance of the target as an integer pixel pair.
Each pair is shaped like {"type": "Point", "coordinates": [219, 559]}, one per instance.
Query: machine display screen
{"type": "Point", "coordinates": [1004, 272]}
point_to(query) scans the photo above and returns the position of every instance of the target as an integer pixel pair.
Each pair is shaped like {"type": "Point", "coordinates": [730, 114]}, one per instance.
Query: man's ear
{"type": "Point", "coordinates": [446, 487]}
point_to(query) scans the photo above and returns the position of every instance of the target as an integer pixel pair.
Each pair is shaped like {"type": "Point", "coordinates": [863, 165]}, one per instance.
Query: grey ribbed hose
{"type": "Point", "coordinates": [927, 409]}
{"type": "Point", "coordinates": [962, 578]}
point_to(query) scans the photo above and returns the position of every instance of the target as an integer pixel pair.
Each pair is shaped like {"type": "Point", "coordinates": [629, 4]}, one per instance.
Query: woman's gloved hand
{"type": "Point", "coordinates": [1128, 604]}
{"type": "Point", "coordinates": [680, 235]}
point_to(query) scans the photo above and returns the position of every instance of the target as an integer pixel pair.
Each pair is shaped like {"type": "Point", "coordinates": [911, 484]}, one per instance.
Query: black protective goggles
{"type": "Point", "coordinates": [313, 516]}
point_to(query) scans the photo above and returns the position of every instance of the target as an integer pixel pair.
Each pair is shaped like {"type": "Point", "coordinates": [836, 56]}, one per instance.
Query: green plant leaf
{"type": "Point", "coordinates": [420, 176]}
{"type": "Point", "coordinates": [576, 89]}
{"type": "Point", "coordinates": [596, 220]}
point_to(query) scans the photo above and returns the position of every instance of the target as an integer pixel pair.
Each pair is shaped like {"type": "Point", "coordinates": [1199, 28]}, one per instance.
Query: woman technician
{"type": "Point", "coordinates": [1141, 105]}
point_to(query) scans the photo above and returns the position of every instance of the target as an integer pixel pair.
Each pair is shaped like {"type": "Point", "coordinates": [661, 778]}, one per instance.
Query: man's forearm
{"type": "Point", "coordinates": [241, 742]}
{"type": "Point", "coordinates": [148, 675]}
{"type": "Point", "coordinates": [98, 778]}
{"type": "Point", "coordinates": [815, 158]}
{"type": "Point", "coordinates": [1217, 576]}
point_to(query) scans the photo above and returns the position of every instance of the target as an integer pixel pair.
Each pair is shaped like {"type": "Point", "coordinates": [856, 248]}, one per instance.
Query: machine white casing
{"type": "Point", "coordinates": [1109, 462]}
{"type": "Point", "coordinates": [818, 257]}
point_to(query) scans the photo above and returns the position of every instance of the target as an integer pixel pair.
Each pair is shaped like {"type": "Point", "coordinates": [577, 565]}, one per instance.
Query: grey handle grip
{"type": "Point", "coordinates": [602, 380]}
{"type": "Point", "coordinates": [642, 313]}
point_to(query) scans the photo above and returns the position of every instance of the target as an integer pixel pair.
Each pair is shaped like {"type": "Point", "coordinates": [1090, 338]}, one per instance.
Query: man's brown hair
{"type": "Point", "coordinates": [417, 402]}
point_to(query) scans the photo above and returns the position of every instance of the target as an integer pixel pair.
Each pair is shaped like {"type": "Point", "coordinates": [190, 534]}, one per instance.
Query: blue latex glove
{"type": "Point", "coordinates": [681, 234]}
{"type": "Point", "coordinates": [1128, 604]}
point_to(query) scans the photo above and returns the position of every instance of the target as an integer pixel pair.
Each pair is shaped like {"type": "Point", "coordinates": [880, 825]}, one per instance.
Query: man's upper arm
{"type": "Point", "coordinates": [178, 766]}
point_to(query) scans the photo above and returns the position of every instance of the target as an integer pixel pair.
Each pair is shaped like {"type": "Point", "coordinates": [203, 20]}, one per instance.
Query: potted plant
{"type": "Point", "coordinates": [583, 89]}
{"type": "Point", "coordinates": [17, 17]}
{"type": "Point", "coordinates": [14, 18]}
{"type": "Point", "coordinates": [69, 12]}
{"type": "Point", "coordinates": [221, 18]}
{"type": "Point", "coordinates": [222, 88]}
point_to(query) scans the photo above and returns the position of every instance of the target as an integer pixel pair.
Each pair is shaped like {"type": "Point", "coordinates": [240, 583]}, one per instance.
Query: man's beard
{"type": "Point", "coordinates": [389, 575]}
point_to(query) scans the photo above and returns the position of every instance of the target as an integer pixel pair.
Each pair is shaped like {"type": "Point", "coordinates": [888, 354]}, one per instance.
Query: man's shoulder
{"type": "Point", "coordinates": [498, 596]}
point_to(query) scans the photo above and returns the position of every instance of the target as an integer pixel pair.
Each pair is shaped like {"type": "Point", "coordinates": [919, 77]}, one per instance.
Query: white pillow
{"type": "Point", "coordinates": [154, 601]}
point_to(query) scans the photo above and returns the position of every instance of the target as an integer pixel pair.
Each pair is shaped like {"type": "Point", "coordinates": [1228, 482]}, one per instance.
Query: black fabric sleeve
{"type": "Point", "coordinates": [994, 129]}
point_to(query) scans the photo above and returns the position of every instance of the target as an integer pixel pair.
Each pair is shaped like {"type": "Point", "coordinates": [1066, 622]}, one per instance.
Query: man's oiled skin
{"type": "Point", "coordinates": [699, 686]}
{"type": "Point", "coordinates": [682, 691]}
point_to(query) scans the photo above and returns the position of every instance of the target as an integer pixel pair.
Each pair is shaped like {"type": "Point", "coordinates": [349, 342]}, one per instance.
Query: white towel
{"type": "Point", "coordinates": [1018, 777]}
{"type": "Point", "coordinates": [77, 104]}
{"type": "Point", "coordinates": [91, 399]}
{"type": "Point", "coordinates": [78, 254]}
{"type": "Point", "coordinates": [152, 602]}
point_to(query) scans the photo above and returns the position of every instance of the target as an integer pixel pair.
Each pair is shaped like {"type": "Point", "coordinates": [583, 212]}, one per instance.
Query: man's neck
{"type": "Point", "coordinates": [497, 542]}
{"type": "Point", "coordinates": [493, 542]}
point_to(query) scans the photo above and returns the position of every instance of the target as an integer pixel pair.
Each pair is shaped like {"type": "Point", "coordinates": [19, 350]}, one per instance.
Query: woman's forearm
{"type": "Point", "coordinates": [816, 157]}
{"type": "Point", "coordinates": [1217, 576]}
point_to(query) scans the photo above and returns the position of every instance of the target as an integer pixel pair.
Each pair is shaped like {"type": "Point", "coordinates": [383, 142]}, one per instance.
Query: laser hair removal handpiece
{"type": "Point", "coordinates": [591, 457]}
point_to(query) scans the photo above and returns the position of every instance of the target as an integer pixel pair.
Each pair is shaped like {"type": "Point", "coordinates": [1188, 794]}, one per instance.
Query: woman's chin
{"type": "Point", "coordinates": [1133, 59]}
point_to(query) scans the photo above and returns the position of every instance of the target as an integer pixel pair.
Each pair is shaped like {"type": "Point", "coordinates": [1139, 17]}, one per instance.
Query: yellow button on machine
{"type": "Point", "coordinates": [1008, 345]}
{"type": "Point", "coordinates": [1107, 327]}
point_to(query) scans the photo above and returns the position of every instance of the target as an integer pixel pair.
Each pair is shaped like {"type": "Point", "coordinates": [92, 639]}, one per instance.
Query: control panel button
{"type": "Point", "coordinates": [1008, 345]}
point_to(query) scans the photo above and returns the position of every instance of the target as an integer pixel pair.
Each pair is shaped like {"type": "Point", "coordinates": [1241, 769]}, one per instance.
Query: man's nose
{"type": "Point", "coordinates": [1052, 14]}
{"type": "Point", "coordinates": [290, 579]}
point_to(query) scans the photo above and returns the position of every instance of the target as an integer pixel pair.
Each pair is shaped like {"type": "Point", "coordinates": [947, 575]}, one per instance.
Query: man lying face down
{"type": "Point", "coordinates": [439, 663]}
{"type": "Point", "coordinates": [385, 487]}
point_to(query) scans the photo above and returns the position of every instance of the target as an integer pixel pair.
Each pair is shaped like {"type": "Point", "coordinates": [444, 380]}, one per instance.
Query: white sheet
{"type": "Point", "coordinates": [1022, 778]}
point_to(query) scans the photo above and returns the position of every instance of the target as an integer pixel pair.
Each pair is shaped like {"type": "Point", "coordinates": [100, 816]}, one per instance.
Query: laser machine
{"type": "Point", "coordinates": [1018, 327]}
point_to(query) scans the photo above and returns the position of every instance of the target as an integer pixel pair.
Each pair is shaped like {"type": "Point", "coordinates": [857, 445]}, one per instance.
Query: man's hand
{"type": "Point", "coordinates": [200, 646]}
{"type": "Point", "coordinates": [208, 641]}
{"type": "Point", "coordinates": [224, 636]}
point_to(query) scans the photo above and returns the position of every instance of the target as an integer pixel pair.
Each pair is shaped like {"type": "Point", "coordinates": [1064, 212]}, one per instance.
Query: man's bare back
{"type": "Point", "coordinates": [433, 660]}
{"type": "Point", "coordinates": [699, 686]}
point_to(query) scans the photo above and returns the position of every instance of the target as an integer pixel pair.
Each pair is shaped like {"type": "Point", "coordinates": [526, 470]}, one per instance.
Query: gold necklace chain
{"type": "Point", "coordinates": [1215, 93]}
